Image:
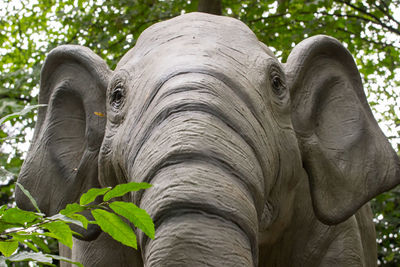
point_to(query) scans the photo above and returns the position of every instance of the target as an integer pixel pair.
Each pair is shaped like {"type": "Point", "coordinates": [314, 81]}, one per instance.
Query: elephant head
{"type": "Point", "coordinates": [225, 133]}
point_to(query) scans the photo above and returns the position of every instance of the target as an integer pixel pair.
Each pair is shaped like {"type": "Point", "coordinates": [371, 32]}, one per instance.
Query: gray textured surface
{"type": "Point", "coordinates": [247, 156]}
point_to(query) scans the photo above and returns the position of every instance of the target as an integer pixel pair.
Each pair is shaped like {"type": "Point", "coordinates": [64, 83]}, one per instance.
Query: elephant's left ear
{"type": "Point", "coordinates": [347, 157]}
{"type": "Point", "coordinates": [62, 161]}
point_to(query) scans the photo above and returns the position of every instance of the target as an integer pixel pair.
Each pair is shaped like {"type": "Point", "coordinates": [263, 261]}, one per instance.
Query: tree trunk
{"type": "Point", "coordinates": [210, 6]}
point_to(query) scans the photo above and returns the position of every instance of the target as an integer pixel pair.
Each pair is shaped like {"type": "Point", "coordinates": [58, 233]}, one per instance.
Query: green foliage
{"type": "Point", "coordinates": [135, 215]}
{"type": "Point", "coordinates": [8, 247]}
{"type": "Point", "coordinates": [115, 227]}
{"type": "Point", "coordinates": [60, 231]}
{"type": "Point", "coordinates": [33, 201]}
{"type": "Point", "coordinates": [39, 257]}
{"type": "Point", "coordinates": [32, 228]}
{"type": "Point", "coordinates": [71, 209]}
{"type": "Point", "coordinates": [92, 194]}
{"type": "Point", "coordinates": [122, 189]}
{"type": "Point", "coordinates": [387, 220]}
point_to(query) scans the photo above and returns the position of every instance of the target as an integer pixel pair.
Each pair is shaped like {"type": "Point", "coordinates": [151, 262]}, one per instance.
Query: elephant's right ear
{"type": "Point", "coordinates": [62, 160]}
{"type": "Point", "coordinates": [347, 157]}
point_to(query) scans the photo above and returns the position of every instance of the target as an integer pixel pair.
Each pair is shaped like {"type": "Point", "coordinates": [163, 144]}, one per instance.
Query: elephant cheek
{"type": "Point", "coordinates": [110, 173]}
{"type": "Point", "coordinates": [279, 207]}
{"type": "Point", "coordinates": [40, 177]}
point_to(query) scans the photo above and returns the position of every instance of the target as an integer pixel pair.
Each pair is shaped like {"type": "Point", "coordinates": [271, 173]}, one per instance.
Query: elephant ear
{"type": "Point", "coordinates": [62, 160]}
{"type": "Point", "coordinates": [347, 157]}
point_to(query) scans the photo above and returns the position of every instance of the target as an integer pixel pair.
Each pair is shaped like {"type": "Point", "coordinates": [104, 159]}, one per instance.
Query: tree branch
{"type": "Point", "coordinates": [374, 19]}
{"type": "Point", "coordinates": [383, 45]}
{"type": "Point", "coordinates": [268, 18]}
{"type": "Point", "coordinates": [386, 12]}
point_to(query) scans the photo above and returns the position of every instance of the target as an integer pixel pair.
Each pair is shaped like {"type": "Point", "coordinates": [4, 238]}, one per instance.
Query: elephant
{"type": "Point", "coordinates": [253, 162]}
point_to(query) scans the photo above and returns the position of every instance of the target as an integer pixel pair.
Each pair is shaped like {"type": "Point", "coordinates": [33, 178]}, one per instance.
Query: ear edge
{"type": "Point", "coordinates": [81, 55]}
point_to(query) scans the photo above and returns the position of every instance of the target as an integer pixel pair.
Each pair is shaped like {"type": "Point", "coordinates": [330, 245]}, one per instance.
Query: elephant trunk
{"type": "Point", "coordinates": [201, 216]}
{"type": "Point", "coordinates": [208, 186]}
{"type": "Point", "coordinates": [221, 244]}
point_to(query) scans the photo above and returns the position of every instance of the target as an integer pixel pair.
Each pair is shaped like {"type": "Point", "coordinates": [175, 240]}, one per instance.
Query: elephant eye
{"type": "Point", "coordinates": [278, 85]}
{"type": "Point", "coordinates": [117, 97]}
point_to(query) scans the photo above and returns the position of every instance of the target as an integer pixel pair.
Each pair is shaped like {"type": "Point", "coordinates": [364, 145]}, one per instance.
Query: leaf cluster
{"type": "Point", "coordinates": [32, 229]}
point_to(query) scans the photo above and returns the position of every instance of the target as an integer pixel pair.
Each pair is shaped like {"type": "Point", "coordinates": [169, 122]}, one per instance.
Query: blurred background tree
{"type": "Point", "coordinates": [29, 29]}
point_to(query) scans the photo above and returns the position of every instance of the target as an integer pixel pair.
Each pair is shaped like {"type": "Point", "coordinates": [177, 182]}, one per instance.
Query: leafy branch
{"type": "Point", "coordinates": [31, 228]}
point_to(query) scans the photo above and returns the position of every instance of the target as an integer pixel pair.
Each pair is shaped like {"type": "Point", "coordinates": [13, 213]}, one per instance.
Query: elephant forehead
{"type": "Point", "coordinates": [195, 34]}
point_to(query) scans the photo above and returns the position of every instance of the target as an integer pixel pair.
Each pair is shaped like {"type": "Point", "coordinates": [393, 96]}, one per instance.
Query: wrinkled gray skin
{"type": "Point", "coordinates": [253, 162]}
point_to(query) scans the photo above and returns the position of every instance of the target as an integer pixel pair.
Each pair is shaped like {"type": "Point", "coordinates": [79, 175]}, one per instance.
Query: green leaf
{"type": "Point", "coordinates": [91, 195]}
{"type": "Point", "coordinates": [115, 227]}
{"type": "Point", "coordinates": [389, 257]}
{"type": "Point", "coordinates": [4, 225]}
{"type": "Point", "coordinates": [33, 201]}
{"type": "Point", "coordinates": [7, 248]}
{"type": "Point", "coordinates": [60, 231]}
{"type": "Point", "coordinates": [3, 208]}
{"type": "Point", "coordinates": [60, 258]}
{"type": "Point", "coordinates": [24, 239]}
{"type": "Point", "coordinates": [70, 211]}
{"type": "Point", "coordinates": [81, 218]}
{"type": "Point", "coordinates": [16, 215]}
{"type": "Point", "coordinates": [40, 243]}
{"type": "Point", "coordinates": [72, 208]}
{"type": "Point", "coordinates": [139, 217]}
{"type": "Point", "coordinates": [30, 245]}
{"type": "Point", "coordinates": [122, 189]}
{"type": "Point", "coordinates": [31, 256]}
